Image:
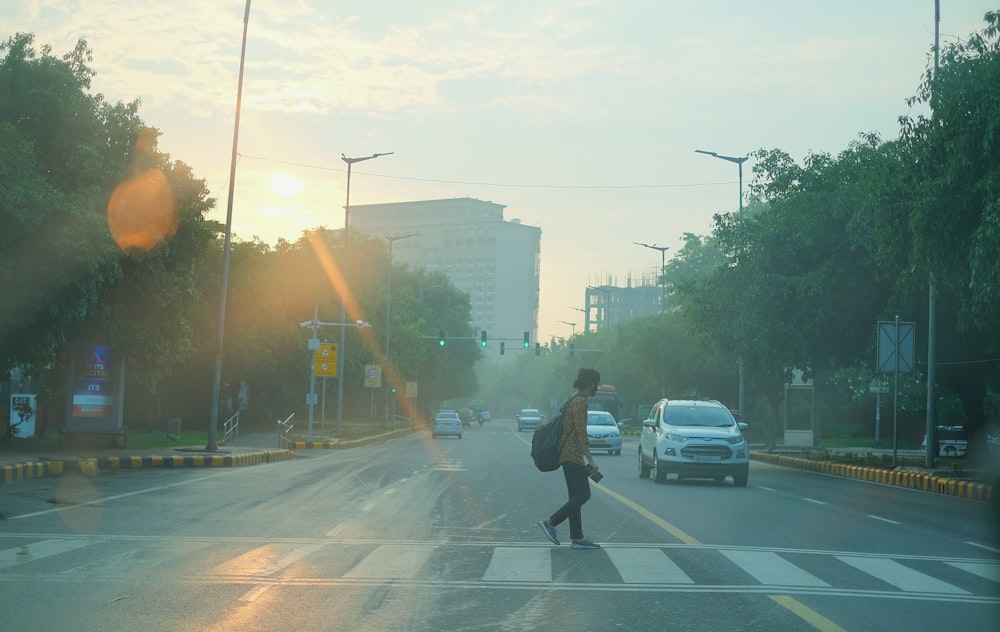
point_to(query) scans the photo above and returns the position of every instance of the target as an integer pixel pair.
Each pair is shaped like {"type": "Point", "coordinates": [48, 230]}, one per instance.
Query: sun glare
{"type": "Point", "coordinates": [285, 185]}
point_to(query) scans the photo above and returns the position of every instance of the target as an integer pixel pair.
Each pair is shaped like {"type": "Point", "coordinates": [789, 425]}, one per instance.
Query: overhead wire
{"type": "Point", "coordinates": [492, 184]}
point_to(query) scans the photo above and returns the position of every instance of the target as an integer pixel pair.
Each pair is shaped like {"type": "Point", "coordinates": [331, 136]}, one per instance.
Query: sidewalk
{"type": "Point", "coordinates": [25, 459]}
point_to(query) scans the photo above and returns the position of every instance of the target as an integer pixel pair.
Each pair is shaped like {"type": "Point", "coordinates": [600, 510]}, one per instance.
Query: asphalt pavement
{"type": "Point", "coordinates": [22, 459]}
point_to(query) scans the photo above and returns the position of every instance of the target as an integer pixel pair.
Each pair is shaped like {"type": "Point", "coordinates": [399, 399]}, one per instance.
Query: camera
{"type": "Point", "coordinates": [594, 474]}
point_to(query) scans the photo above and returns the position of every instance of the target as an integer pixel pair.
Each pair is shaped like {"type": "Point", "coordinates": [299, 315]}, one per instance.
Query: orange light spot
{"type": "Point", "coordinates": [142, 212]}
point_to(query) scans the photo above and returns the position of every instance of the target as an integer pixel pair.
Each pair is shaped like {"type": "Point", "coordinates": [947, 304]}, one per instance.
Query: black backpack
{"type": "Point", "coordinates": [545, 442]}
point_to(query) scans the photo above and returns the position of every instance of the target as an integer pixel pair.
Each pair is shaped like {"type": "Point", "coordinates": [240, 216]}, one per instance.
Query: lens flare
{"type": "Point", "coordinates": [141, 211]}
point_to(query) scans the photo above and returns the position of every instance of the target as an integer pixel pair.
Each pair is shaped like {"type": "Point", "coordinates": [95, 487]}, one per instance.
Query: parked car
{"type": "Point", "coordinates": [447, 423]}
{"type": "Point", "coordinates": [603, 432]}
{"type": "Point", "coordinates": [951, 441]}
{"type": "Point", "coordinates": [528, 419]}
{"type": "Point", "coordinates": [692, 438]}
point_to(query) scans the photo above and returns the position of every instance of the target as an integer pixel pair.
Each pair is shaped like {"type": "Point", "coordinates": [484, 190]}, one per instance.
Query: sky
{"type": "Point", "coordinates": [582, 117]}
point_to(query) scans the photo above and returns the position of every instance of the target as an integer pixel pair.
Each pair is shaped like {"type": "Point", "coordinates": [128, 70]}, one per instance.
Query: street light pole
{"type": "Point", "coordinates": [388, 303]}
{"type": "Point", "coordinates": [661, 279]}
{"type": "Point", "coordinates": [586, 318]}
{"type": "Point", "coordinates": [343, 299]}
{"type": "Point", "coordinates": [739, 160]}
{"type": "Point", "coordinates": [213, 425]}
{"type": "Point", "coordinates": [573, 325]}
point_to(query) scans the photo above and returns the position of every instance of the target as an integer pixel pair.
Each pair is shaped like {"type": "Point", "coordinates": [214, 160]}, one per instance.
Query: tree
{"type": "Point", "coordinates": [70, 165]}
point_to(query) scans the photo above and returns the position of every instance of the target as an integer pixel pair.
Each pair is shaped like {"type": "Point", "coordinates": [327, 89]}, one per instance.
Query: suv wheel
{"type": "Point", "coordinates": [740, 480]}
{"type": "Point", "coordinates": [643, 468]}
{"type": "Point", "coordinates": [659, 474]}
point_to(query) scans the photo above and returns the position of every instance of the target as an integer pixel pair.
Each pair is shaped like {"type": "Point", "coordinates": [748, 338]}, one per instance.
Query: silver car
{"type": "Point", "coordinates": [528, 419]}
{"type": "Point", "coordinates": [447, 423]}
{"type": "Point", "coordinates": [604, 432]}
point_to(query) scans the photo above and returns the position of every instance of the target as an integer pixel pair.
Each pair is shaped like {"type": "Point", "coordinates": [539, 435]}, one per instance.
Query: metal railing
{"type": "Point", "coordinates": [231, 428]}
{"type": "Point", "coordinates": [284, 427]}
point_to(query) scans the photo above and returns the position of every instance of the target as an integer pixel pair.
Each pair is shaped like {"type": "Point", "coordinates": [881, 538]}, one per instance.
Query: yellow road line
{"type": "Point", "coordinates": [807, 614]}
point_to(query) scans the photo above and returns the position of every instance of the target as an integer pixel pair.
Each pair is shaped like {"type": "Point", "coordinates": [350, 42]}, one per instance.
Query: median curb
{"type": "Point", "coordinates": [90, 466]}
{"type": "Point", "coordinates": [899, 478]}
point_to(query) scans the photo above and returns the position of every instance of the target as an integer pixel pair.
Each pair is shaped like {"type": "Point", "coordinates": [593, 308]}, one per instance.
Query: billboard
{"type": "Point", "coordinates": [97, 377]}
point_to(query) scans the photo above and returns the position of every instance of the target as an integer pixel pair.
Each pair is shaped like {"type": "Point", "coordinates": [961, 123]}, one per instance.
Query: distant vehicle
{"type": "Point", "coordinates": [606, 398]}
{"type": "Point", "coordinates": [447, 424]}
{"type": "Point", "coordinates": [951, 441]}
{"type": "Point", "coordinates": [689, 438]}
{"type": "Point", "coordinates": [528, 419]}
{"type": "Point", "coordinates": [485, 415]}
{"type": "Point", "coordinates": [603, 432]}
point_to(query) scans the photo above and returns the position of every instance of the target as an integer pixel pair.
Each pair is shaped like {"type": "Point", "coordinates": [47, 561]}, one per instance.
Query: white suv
{"type": "Point", "coordinates": [699, 439]}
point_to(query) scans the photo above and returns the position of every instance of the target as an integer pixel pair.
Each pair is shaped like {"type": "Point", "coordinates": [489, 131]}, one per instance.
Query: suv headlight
{"type": "Point", "coordinates": [738, 439]}
{"type": "Point", "coordinates": [676, 437]}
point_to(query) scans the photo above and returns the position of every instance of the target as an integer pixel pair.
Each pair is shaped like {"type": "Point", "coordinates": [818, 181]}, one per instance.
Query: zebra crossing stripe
{"type": "Point", "coordinates": [392, 561]}
{"type": "Point", "coordinates": [773, 570]}
{"type": "Point", "coordinates": [520, 564]}
{"type": "Point", "coordinates": [39, 550]}
{"type": "Point", "coordinates": [986, 570]}
{"type": "Point", "coordinates": [646, 566]}
{"type": "Point", "coordinates": [902, 577]}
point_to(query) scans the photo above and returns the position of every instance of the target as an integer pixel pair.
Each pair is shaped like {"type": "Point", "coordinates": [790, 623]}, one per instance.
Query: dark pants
{"type": "Point", "coordinates": [578, 488]}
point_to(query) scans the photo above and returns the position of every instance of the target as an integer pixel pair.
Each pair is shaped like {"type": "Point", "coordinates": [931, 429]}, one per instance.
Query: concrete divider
{"type": "Point", "coordinates": [899, 478]}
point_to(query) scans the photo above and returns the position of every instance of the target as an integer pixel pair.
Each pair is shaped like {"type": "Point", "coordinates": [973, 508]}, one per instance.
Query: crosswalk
{"type": "Point", "coordinates": [500, 565]}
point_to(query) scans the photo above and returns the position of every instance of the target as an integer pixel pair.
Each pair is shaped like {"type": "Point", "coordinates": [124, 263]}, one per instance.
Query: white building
{"type": "Point", "coordinates": [496, 262]}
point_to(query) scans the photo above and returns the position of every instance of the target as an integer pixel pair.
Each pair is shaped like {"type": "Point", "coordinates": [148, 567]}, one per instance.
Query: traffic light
{"type": "Point", "coordinates": [393, 390]}
{"type": "Point", "coordinates": [527, 341]}
{"type": "Point", "coordinates": [538, 348]}
{"type": "Point", "coordinates": [482, 340]}
{"type": "Point", "coordinates": [502, 345]}
{"type": "Point", "coordinates": [441, 337]}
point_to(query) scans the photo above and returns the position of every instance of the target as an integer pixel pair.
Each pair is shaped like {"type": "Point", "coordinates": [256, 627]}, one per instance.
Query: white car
{"type": "Point", "coordinates": [603, 432]}
{"type": "Point", "coordinates": [693, 438]}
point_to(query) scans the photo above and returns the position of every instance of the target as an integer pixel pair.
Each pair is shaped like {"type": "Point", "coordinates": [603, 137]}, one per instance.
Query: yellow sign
{"type": "Point", "coordinates": [325, 363]}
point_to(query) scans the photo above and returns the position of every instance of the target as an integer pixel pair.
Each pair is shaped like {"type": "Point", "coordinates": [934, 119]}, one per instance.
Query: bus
{"type": "Point", "coordinates": [606, 398]}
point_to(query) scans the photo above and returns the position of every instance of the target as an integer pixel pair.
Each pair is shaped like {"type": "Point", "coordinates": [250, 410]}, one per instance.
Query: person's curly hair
{"type": "Point", "coordinates": [587, 378]}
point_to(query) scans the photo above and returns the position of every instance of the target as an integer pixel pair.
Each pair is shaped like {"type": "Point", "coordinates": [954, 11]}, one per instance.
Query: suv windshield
{"type": "Point", "coordinates": [710, 416]}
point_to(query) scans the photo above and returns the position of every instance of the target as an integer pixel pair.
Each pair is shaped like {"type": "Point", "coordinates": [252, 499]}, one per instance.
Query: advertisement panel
{"type": "Point", "coordinates": [96, 382]}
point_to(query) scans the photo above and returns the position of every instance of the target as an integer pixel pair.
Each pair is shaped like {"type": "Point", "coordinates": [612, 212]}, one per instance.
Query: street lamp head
{"type": "Point", "coordinates": [737, 159]}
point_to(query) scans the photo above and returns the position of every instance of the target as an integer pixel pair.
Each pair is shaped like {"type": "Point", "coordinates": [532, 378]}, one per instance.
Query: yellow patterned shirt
{"type": "Point", "coordinates": [573, 443]}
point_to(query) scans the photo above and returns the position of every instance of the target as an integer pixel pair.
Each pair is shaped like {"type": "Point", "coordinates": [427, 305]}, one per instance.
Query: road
{"type": "Point", "coordinates": [422, 534]}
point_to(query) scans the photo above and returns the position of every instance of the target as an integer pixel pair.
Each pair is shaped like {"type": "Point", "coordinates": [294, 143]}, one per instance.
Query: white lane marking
{"type": "Point", "coordinates": [252, 594]}
{"type": "Point", "coordinates": [392, 561]}
{"type": "Point", "coordinates": [105, 499]}
{"type": "Point", "coordinates": [813, 500]}
{"type": "Point", "coordinates": [874, 517]}
{"type": "Point", "coordinates": [334, 532]}
{"type": "Point", "coordinates": [520, 564]}
{"type": "Point", "coordinates": [267, 560]}
{"type": "Point", "coordinates": [983, 546]}
{"type": "Point", "coordinates": [40, 550]}
{"type": "Point", "coordinates": [369, 506]}
{"type": "Point", "coordinates": [772, 569]}
{"type": "Point", "coordinates": [766, 489]}
{"type": "Point", "coordinates": [986, 570]}
{"type": "Point", "coordinates": [900, 576]}
{"type": "Point", "coordinates": [642, 566]}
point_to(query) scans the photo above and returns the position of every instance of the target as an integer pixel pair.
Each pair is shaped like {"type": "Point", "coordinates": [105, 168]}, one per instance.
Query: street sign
{"type": "Point", "coordinates": [895, 340]}
{"type": "Point", "coordinates": [411, 390]}
{"type": "Point", "coordinates": [325, 363]}
{"type": "Point", "coordinates": [373, 376]}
